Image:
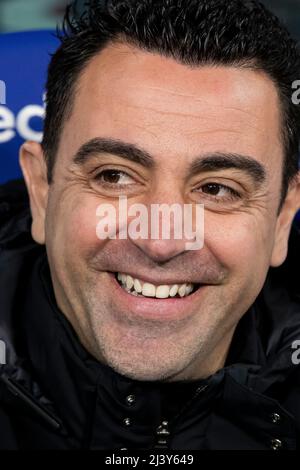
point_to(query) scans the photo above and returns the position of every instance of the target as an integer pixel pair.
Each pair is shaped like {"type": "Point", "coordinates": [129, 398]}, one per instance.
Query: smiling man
{"type": "Point", "coordinates": [138, 342]}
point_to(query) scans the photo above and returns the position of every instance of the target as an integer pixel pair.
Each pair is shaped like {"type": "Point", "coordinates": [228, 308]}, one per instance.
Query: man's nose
{"type": "Point", "coordinates": [167, 236]}
{"type": "Point", "coordinates": [161, 251]}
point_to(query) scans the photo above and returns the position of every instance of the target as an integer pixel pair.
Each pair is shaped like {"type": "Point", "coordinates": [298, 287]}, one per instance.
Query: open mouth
{"type": "Point", "coordinates": [139, 288]}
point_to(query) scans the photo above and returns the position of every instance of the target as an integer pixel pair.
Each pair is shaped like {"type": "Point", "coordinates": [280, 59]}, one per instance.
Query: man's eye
{"type": "Point", "coordinates": [219, 191]}
{"type": "Point", "coordinates": [113, 177]}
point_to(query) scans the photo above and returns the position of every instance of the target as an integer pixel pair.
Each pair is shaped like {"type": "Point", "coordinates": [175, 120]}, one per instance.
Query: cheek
{"type": "Point", "coordinates": [81, 233]}
{"type": "Point", "coordinates": [243, 244]}
{"type": "Point", "coordinates": [71, 232]}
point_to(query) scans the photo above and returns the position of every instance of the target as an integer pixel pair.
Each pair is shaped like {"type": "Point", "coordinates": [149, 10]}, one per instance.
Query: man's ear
{"type": "Point", "coordinates": [284, 222]}
{"type": "Point", "coordinates": [35, 174]}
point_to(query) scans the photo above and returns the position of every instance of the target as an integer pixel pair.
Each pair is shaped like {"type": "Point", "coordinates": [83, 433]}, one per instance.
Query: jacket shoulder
{"type": "Point", "coordinates": [13, 199]}
{"type": "Point", "coordinates": [8, 439]}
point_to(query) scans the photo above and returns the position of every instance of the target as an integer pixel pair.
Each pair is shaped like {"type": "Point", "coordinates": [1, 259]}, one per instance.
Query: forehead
{"type": "Point", "coordinates": [164, 106]}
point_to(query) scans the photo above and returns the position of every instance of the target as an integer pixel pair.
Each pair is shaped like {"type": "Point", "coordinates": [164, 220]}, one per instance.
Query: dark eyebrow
{"type": "Point", "coordinates": [208, 162]}
{"type": "Point", "coordinates": [223, 161]}
{"type": "Point", "coordinates": [116, 147]}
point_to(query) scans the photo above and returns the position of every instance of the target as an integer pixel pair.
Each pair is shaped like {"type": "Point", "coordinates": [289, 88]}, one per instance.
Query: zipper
{"type": "Point", "coordinates": [162, 435]}
{"type": "Point", "coordinates": [163, 432]}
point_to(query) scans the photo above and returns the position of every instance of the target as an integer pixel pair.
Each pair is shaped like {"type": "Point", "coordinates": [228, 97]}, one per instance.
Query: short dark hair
{"type": "Point", "coordinates": [239, 33]}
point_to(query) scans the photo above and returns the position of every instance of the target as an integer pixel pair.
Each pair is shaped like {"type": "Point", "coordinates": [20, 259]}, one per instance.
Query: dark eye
{"type": "Point", "coordinates": [113, 177]}
{"type": "Point", "coordinates": [219, 191]}
{"type": "Point", "coordinates": [212, 189]}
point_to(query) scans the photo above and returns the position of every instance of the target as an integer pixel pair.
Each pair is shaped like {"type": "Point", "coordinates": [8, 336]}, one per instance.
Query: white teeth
{"type": "Point", "coordinates": [129, 282]}
{"type": "Point", "coordinates": [148, 290]}
{"type": "Point", "coordinates": [162, 292]}
{"type": "Point", "coordinates": [137, 287]}
{"type": "Point", "coordinates": [181, 290]}
{"type": "Point", "coordinates": [174, 290]}
{"type": "Point", "coordinates": [189, 288]}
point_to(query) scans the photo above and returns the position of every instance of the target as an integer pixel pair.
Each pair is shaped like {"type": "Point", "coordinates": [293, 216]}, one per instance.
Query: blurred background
{"type": "Point", "coordinates": [17, 15]}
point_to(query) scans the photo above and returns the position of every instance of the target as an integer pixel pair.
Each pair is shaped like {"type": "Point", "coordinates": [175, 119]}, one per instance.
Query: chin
{"type": "Point", "coordinates": [146, 371]}
{"type": "Point", "coordinates": [142, 375]}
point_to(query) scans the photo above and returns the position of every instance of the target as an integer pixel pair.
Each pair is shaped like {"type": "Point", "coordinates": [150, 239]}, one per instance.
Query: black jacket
{"type": "Point", "coordinates": [54, 395]}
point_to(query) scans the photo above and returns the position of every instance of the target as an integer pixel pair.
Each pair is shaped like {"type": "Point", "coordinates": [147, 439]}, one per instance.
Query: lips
{"type": "Point", "coordinates": [126, 304]}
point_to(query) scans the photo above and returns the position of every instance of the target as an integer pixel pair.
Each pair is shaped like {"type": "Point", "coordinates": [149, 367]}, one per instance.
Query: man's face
{"type": "Point", "coordinates": [178, 115]}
